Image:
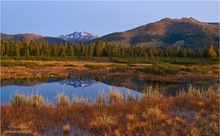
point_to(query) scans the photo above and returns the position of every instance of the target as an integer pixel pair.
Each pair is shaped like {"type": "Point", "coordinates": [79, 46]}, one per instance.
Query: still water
{"type": "Point", "coordinates": [85, 87]}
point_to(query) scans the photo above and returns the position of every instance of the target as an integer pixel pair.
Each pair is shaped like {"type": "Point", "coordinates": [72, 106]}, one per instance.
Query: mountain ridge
{"type": "Point", "coordinates": [186, 31]}
{"type": "Point", "coordinates": [77, 37]}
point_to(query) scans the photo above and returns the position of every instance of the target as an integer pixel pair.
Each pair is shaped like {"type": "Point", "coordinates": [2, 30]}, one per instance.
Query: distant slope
{"type": "Point", "coordinates": [52, 40]}
{"type": "Point", "coordinates": [187, 32]}
{"type": "Point", "coordinates": [25, 37]}
{"type": "Point", "coordinates": [30, 36]}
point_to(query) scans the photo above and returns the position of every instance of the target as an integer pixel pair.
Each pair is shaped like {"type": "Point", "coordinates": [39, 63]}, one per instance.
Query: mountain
{"type": "Point", "coordinates": [75, 37]}
{"type": "Point", "coordinates": [187, 32]}
{"type": "Point", "coordinates": [26, 37]}
{"type": "Point", "coordinates": [30, 36]}
{"type": "Point", "coordinates": [78, 37]}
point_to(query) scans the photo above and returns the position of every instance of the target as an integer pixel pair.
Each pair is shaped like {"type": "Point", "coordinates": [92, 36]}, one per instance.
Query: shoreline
{"type": "Point", "coordinates": [145, 76]}
{"type": "Point", "coordinates": [78, 68]}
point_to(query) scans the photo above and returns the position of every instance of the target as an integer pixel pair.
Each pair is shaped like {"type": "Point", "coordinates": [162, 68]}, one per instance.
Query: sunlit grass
{"type": "Point", "coordinates": [193, 112]}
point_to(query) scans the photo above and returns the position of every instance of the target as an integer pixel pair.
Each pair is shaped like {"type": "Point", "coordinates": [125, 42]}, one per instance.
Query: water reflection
{"type": "Point", "coordinates": [76, 82]}
{"type": "Point", "coordinates": [73, 87]}
{"type": "Point", "coordinates": [89, 86]}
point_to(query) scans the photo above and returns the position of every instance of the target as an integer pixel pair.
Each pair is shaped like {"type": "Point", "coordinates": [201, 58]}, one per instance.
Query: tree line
{"type": "Point", "coordinates": [42, 49]}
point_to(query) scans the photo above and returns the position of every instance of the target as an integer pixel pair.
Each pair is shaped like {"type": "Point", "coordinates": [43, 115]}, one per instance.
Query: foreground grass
{"type": "Point", "coordinates": [194, 112]}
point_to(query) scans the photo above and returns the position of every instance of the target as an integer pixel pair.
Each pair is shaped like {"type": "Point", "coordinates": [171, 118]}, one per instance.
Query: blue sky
{"type": "Point", "coordinates": [53, 18]}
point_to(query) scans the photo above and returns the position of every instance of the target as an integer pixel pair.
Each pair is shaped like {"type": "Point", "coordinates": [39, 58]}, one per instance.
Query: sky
{"type": "Point", "coordinates": [53, 18]}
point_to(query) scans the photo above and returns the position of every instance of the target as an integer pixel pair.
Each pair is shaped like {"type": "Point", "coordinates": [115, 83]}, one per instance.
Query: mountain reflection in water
{"type": "Point", "coordinates": [89, 86]}
{"type": "Point", "coordinates": [76, 82]}
{"type": "Point", "coordinates": [84, 87]}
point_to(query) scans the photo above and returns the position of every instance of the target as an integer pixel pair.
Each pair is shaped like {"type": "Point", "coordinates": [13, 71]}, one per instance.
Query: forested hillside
{"type": "Point", "coordinates": [44, 50]}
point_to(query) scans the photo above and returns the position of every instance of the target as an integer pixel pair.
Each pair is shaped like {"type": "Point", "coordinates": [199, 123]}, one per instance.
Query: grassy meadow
{"type": "Point", "coordinates": [205, 68]}
{"type": "Point", "coordinates": [192, 112]}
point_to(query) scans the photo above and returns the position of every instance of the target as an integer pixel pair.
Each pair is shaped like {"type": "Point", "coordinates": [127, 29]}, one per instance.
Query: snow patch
{"type": "Point", "coordinates": [77, 37]}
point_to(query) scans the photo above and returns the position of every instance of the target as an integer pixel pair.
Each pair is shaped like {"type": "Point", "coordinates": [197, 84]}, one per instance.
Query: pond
{"type": "Point", "coordinates": [86, 87]}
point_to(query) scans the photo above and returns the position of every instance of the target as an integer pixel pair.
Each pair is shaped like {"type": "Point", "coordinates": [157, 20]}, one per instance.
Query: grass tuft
{"type": "Point", "coordinates": [63, 100]}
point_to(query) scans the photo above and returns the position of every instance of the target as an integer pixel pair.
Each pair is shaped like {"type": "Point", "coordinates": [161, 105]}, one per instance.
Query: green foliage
{"type": "Point", "coordinates": [161, 68]}
{"type": "Point", "coordinates": [200, 70]}
{"type": "Point", "coordinates": [17, 63]}
{"type": "Point", "coordinates": [42, 50]}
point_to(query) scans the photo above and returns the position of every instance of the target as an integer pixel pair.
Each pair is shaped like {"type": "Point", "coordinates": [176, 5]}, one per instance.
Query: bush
{"type": "Point", "coordinates": [37, 101]}
{"type": "Point", "coordinates": [62, 100]}
{"type": "Point", "coordinates": [161, 68]}
{"type": "Point", "coordinates": [101, 97]}
{"type": "Point", "coordinates": [200, 70]}
{"type": "Point", "coordinates": [149, 92]}
{"type": "Point", "coordinates": [77, 100]}
{"type": "Point", "coordinates": [19, 100]}
{"type": "Point", "coordinates": [114, 96]}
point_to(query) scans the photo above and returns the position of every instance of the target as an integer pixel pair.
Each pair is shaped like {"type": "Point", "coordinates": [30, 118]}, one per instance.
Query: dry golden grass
{"type": "Point", "coordinates": [77, 67]}
{"type": "Point", "coordinates": [180, 115]}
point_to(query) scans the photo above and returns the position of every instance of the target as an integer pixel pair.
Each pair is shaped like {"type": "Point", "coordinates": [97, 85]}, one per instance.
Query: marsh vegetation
{"type": "Point", "coordinates": [191, 112]}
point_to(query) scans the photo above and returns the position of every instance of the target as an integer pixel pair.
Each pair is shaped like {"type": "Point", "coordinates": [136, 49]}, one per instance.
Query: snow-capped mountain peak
{"type": "Point", "coordinates": [77, 37]}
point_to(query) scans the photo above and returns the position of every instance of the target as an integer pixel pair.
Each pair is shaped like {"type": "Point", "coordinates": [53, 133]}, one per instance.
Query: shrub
{"type": "Point", "coordinates": [62, 100]}
{"type": "Point", "coordinates": [101, 97]}
{"type": "Point", "coordinates": [211, 92]}
{"type": "Point", "coordinates": [149, 92]}
{"type": "Point", "coordinates": [130, 97]}
{"type": "Point", "coordinates": [161, 68]}
{"type": "Point", "coordinates": [154, 112]}
{"type": "Point", "coordinates": [77, 100]}
{"type": "Point", "coordinates": [19, 100]}
{"type": "Point", "coordinates": [102, 122]}
{"type": "Point", "coordinates": [200, 70]}
{"type": "Point", "coordinates": [37, 101]}
{"type": "Point", "coordinates": [114, 96]}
